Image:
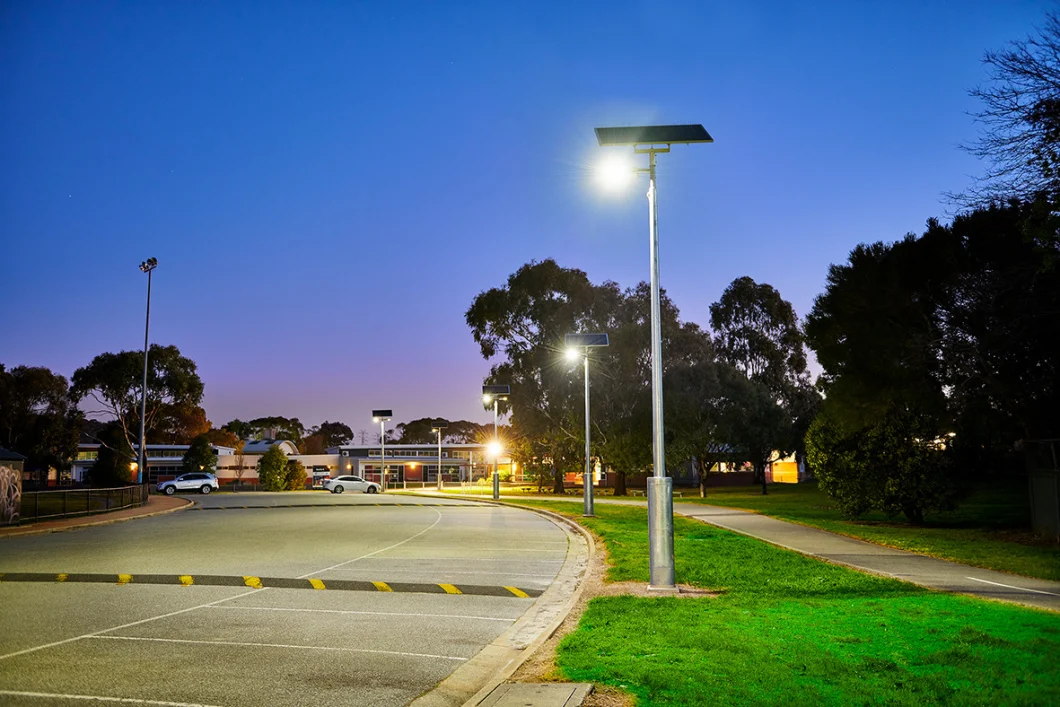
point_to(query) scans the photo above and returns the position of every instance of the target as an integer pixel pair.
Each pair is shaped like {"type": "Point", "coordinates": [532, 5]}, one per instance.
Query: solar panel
{"type": "Point", "coordinates": [579, 340]}
{"type": "Point", "coordinates": [496, 390]}
{"type": "Point", "coordinates": [652, 135]}
{"type": "Point", "coordinates": [382, 413]}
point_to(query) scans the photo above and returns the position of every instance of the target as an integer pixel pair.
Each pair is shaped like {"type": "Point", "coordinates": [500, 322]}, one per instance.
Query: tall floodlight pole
{"type": "Point", "coordinates": [148, 267]}
{"type": "Point", "coordinates": [575, 343]}
{"type": "Point", "coordinates": [382, 417]}
{"type": "Point", "coordinates": [652, 140]}
{"type": "Point", "coordinates": [495, 394]}
{"type": "Point", "coordinates": [440, 425]}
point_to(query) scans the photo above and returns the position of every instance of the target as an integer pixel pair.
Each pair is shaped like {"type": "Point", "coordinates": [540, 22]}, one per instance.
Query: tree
{"type": "Point", "coordinates": [272, 470]}
{"type": "Point", "coordinates": [116, 461]}
{"type": "Point", "coordinates": [523, 323]}
{"type": "Point", "coordinates": [278, 428]}
{"type": "Point", "coordinates": [295, 476]}
{"type": "Point", "coordinates": [1021, 121]}
{"type": "Point", "coordinates": [200, 456]}
{"type": "Point", "coordinates": [241, 458]}
{"type": "Point", "coordinates": [222, 437]}
{"type": "Point", "coordinates": [242, 430]}
{"type": "Point", "coordinates": [334, 434]}
{"type": "Point", "coordinates": [37, 418]}
{"type": "Point", "coordinates": [113, 383]}
{"type": "Point", "coordinates": [757, 332]}
{"type": "Point", "coordinates": [180, 424]}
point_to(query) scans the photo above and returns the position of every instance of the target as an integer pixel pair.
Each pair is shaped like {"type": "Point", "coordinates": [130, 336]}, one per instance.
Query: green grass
{"type": "Point", "coordinates": [991, 529]}
{"type": "Point", "coordinates": [790, 630]}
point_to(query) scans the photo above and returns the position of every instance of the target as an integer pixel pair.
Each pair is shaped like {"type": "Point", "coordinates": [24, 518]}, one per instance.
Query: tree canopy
{"type": "Point", "coordinates": [37, 418]}
{"type": "Point", "coordinates": [200, 456]}
{"type": "Point", "coordinates": [111, 386]}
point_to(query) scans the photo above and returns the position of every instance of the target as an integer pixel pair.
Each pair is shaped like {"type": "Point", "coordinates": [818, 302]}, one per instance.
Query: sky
{"type": "Point", "coordinates": [328, 185]}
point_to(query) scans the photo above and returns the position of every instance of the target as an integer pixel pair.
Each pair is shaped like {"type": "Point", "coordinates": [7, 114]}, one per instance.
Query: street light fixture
{"type": "Point", "coordinates": [575, 343]}
{"type": "Point", "coordinates": [438, 426]}
{"type": "Point", "coordinates": [382, 417]}
{"type": "Point", "coordinates": [651, 140]}
{"type": "Point", "coordinates": [148, 267]}
{"type": "Point", "coordinates": [494, 394]}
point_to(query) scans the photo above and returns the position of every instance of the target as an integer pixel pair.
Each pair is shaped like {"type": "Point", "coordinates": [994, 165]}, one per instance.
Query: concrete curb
{"type": "Point", "coordinates": [188, 503]}
{"type": "Point", "coordinates": [498, 661]}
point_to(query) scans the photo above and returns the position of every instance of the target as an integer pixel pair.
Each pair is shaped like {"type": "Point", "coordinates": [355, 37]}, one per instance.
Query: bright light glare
{"type": "Point", "coordinates": [487, 398]}
{"type": "Point", "coordinates": [494, 449]}
{"type": "Point", "coordinates": [615, 172]}
{"type": "Point", "coordinates": [572, 354]}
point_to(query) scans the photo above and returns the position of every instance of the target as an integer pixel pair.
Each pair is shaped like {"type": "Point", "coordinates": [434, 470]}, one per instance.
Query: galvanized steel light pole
{"type": "Point", "coordinates": [148, 267]}
{"type": "Point", "coordinates": [382, 417]}
{"type": "Point", "coordinates": [574, 344]}
{"type": "Point", "coordinates": [494, 394]}
{"type": "Point", "coordinates": [439, 425]}
{"type": "Point", "coordinates": [651, 140]}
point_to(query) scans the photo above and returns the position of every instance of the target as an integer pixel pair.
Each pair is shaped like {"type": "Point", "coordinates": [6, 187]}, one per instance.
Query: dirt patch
{"type": "Point", "coordinates": [541, 666]}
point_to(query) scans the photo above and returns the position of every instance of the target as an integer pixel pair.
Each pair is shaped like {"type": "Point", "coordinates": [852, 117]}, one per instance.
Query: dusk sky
{"type": "Point", "coordinates": [328, 185]}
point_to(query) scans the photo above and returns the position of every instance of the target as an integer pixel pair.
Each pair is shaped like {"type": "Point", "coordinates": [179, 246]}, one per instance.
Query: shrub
{"type": "Point", "coordinates": [897, 464]}
{"type": "Point", "coordinates": [272, 470]}
{"type": "Point", "coordinates": [295, 475]}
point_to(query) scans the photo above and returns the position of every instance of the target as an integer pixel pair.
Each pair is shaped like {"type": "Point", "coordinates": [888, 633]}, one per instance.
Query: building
{"type": "Point", "coordinates": [164, 461]}
{"type": "Point", "coordinates": [418, 463]}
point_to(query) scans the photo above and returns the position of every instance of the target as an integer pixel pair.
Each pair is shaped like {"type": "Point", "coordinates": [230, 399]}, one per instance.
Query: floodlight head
{"type": "Point", "coordinates": [382, 415]}
{"type": "Point", "coordinates": [439, 425]}
{"type": "Point", "coordinates": [573, 354]}
{"type": "Point", "coordinates": [494, 449]}
{"type": "Point", "coordinates": [615, 172]}
{"type": "Point", "coordinates": [652, 135]}
{"type": "Point", "coordinates": [149, 265]}
{"type": "Point", "coordinates": [496, 390]}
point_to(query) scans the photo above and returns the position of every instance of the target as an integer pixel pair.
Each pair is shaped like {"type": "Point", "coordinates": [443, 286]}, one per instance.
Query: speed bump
{"type": "Point", "coordinates": [213, 580]}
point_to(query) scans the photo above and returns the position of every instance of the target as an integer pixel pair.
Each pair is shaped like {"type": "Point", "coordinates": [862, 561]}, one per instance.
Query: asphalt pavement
{"type": "Point", "coordinates": [281, 599]}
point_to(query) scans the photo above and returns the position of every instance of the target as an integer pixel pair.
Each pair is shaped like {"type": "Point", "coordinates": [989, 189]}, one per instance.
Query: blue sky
{"type": "Point", "coordinates": [327, 185]}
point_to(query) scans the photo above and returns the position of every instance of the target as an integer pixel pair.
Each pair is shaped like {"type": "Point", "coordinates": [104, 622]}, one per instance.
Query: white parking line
{"type": "Point", "coordinates": [370, 554]}
{"type": "Point", "coordinates": [1009, 586]}
{"type": "Point", "coordinates": [95, 634]}
{"type": "Point", "coordinates": [101, 698]}
{"type": "Point", "coordinates": [128, 625]}
{"type": "Point", "coordinates": [276, 645]}
{"type": "Point", "coordinates": [364, 613]}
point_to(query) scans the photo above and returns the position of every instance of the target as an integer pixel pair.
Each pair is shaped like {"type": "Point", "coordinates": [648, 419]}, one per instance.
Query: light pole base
{"type": "Point", "coordinates": [661, 534]}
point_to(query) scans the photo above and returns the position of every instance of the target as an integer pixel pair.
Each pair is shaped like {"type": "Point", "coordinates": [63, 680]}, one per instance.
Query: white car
{"type": "Point", "coordinates": [201, 482]}
{"type": "Point", "coordinates": [351, 483]}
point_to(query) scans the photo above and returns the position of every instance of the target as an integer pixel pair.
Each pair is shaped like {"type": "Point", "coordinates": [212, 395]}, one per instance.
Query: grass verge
{"type": "Point", "coordinates": [791, 630]}
{"type": "Point", "coordinates": [991, 529]}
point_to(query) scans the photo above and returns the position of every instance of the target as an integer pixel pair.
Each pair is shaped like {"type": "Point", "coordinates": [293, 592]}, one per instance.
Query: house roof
{"type": "Point", "coordinates": [8, 455]}
{"type": "Point", "coordinates": [260, 446]}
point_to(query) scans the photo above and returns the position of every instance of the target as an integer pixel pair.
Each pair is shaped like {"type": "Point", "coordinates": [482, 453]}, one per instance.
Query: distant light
{"type": "Point", "coordinates": [348, 466]}
{"type": "Point", "coordinates": [615, 172]}
{"type": "Point", "coordinates": [572, 354]}
{"type": "Point", "coordinates": [494, 449]}
{"type": "Point", "coordinates": [133, 466]}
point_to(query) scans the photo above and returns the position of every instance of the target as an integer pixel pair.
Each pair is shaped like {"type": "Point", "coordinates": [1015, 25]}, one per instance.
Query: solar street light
{"type": "Point", "coordinates": [438, 426]}
{"type": "Point", "coordinates": [148, 267]}
{"type": "Point", "coordinates": [652, 140]}
{"type": "Point", "coordinates": [577, 343]}
{"type": "Point", "coordinates": [494, 394]}
{"type": "Point", "coordinates": [382, 417]}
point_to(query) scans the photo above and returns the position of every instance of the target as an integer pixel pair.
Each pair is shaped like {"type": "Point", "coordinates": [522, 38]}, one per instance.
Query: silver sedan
{"type": "Point", "coordinates": [351, 483]}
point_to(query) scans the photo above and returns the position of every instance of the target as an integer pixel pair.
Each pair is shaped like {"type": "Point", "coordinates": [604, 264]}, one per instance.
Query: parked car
{"type": "Point", "coordinates": [201, 482]}
{"type": "Point", "coordinates": [351, 483]}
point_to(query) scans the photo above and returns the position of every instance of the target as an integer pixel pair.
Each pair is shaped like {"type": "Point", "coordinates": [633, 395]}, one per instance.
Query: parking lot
{"type": "Point", "coordinates": [279, 599]}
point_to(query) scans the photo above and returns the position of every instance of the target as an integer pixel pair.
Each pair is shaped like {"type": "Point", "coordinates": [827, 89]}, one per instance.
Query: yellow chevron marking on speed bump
{"type": "Point", "coordinates": [382, 586]}
{"type": "Point", "coordinates": [317, 584]}
{"type": "Point", "coordinates": [61, 577]}
{"type": "Point", "coordinates": [186, 580]}
{"type": "Point", "coordinates": [124, 578]}
{"type": "Point", "coordinates": [518, 592]}
{"type": "Point", "coordinates": [254, 582]}
{"type": "Point", "coordinates": [450, 589]}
